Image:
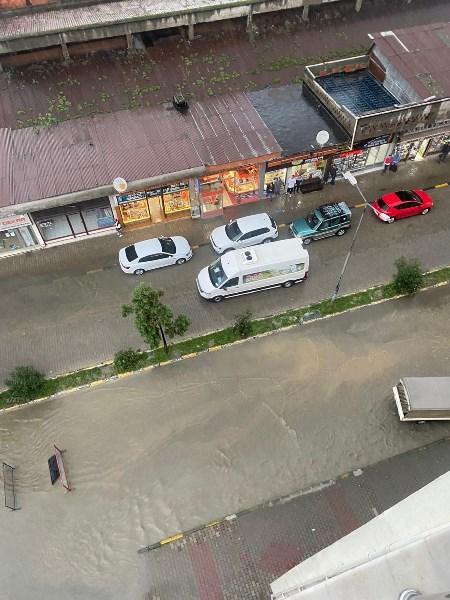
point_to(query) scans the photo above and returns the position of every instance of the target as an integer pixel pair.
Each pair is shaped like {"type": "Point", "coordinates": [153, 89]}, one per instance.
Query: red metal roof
{"type": "Point", "coordinates": [87, 153]}
{"type": "Point", "coordinates": [421, 55]}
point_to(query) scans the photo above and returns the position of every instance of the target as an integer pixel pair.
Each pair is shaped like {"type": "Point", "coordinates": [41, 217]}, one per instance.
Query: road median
{"type": "Point", "coordinates": [216, 340]}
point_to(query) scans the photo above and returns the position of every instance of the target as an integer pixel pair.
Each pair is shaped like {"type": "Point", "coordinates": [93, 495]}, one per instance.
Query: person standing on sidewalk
{"type": "Point", "coordinates": [277, 186]}
{"type": "Point", "coordinates": [290, 185]}
{"type": "Point", "coordinates": [332, 173]}
{"type": "Point", "coordinates": [444, 151]}
{"type": "Point", "coordinates": [396, 158]}
{"type": "Point", "coordinates": [387, 163]}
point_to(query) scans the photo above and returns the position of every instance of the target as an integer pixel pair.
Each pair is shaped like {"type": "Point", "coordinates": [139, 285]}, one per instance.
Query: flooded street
{"type": "Point", "coordinates": [181, 445]}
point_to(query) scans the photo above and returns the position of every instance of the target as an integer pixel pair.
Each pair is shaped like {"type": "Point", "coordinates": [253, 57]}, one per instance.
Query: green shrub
{"type": "Point", "coordinates": [128, 360]}
{"type": "Point", "coordinates": [243, 326]}
{"type": "Point", "coordinates": [408, 278]}
{"type": "Point", "coordinates": [25, 383]}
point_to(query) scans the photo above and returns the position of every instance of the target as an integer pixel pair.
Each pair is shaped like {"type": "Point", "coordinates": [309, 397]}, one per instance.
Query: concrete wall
{"type": "Point", "coordinates": [394, 82]}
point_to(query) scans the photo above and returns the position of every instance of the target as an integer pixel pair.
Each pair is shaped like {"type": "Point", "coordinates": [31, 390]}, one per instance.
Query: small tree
{"type": "Point", "coordinates": [243, 326]}
{"type": "Point", "coordinates": [128, 360]}
{"type": "Point", "coordinates": [408, 278]}
{"type": "Point", "coordinates": [25, 383]}
{"type": "Point", "coordinates": [153, 319]}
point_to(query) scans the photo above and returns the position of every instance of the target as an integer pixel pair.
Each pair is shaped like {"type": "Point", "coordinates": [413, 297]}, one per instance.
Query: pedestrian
{"type": "Point", "coordinates": [396, 158]}
{"type": "Point", "coordinates": [290, 185]}
{"type": "Point", "coordinates": [444, 151]}
{"type": "Point", "coordinates": [332, 173]}
{"type": "Point", "coordinates": [298, 183]}
{"type": "Point", "coordinates": [387, 163]}
{"type": "Point", "coordinates": [269, 191]}
{"type": "Point", "coordinates": [277, 185]}
{"type": "Point", "coordinates": [118, 226]}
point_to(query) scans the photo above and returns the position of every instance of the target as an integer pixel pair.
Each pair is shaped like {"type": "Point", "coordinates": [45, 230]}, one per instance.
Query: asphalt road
{"type": "Point", "coordinates": [181, 445]}
{"type": "Point", "coordinates": [68, 316]}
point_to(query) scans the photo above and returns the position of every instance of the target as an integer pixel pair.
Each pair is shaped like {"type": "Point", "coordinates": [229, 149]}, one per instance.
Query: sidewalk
{"type": "Point", "coordinates": [237, 559]}
{"type": "Point", "coordinates": [90, 254]}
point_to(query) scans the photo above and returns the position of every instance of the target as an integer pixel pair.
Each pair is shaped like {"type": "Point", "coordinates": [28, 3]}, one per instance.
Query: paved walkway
{"type": "Point", "coordinates": [237, 559]}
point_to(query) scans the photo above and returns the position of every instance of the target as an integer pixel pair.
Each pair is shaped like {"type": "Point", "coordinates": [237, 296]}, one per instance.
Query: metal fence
{"type": "Point", "coordinates": [9, 487]}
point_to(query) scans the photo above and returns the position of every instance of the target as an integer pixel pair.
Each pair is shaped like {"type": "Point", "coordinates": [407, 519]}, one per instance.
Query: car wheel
{"type": "Point", "coordinates": [425, 211]}
{"type": "Point", "coordinates": [267, 241]}
{"type": "Point", "coordinates": [390, 220]}
{"type": "Point", "coordinates": [306, 241]}
{"type": "Point", "coordinates": [288, 284]}
{"type": "Point", "coordinates": [181, 261]}
{"type": "Point", "coordinates": [217, 299]}
{"type": "Point", "coordinates": [340, 232]}
{"type": "Point", "coordinates": [139, 271]}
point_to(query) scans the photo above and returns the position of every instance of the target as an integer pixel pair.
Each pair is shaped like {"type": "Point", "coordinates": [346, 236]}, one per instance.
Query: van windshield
{"type": "Point", "coordinates": [312, 220]}
{"type": "Point", "coordinates": [232, 230]}
{"type": "Point", "coordinates": [216, 273]}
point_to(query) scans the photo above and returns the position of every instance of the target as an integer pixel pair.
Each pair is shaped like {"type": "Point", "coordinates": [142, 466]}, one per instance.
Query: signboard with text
{"type": "Point", "coordinates": [14, 221]}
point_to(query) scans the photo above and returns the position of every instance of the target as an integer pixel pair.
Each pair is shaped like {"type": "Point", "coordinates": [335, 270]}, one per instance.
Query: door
{"type": "Point", "coordinates": [406, 209]}
{"type": "Point", "coordinates": [154, 261]}
{"type": "Point", "coordinates": [77, 224]}
{"type": "Point", "coordinates": [323, 230]}
{"type": "Point", "coordinates": [232, 286]}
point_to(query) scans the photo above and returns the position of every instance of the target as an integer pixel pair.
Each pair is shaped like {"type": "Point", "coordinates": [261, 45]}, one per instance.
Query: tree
{"type": "Point", "coordinates": [408, 278]}
{"type": "Point", "coordinates": [154, 321]}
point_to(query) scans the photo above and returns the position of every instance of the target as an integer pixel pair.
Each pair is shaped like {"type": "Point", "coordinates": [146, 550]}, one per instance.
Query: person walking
{"type": "Point", "coordinates": [332, 173]}
{"type": "Point", "coordinates": [387, 163]}
{"type": "Point", "coordinates": [290, 185]}
{"type": "Point", "coordinates": [444, 151]}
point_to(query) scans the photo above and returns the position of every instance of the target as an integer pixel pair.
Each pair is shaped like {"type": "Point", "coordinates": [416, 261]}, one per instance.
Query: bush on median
{"type": "Point", "coordinates": [25, 383]}
{"type": "Point", "coordinates": [128, 360]}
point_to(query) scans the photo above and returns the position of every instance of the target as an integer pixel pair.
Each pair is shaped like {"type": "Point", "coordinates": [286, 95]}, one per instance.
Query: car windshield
{"type": "Point", "coordinates": [130, 253]}
{"type": "Point", "coordinates": [232, 230]}
{"type": "Point", "coordinates": [167, 245]}
{"type": "Point", "coordinates": [382, 204]}
{"type": "Point", "coordinates": [405, 196]}
{"type": "Point", "coordinates": [216, 273]}
{"type": "Point", "coordinates": [312, 220]}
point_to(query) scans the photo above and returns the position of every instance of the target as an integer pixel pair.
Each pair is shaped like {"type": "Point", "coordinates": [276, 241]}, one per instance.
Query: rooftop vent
{"type": "Point", "coordinates": [249, 256]}
{"type": "Point", "coordinates": [180, 103]}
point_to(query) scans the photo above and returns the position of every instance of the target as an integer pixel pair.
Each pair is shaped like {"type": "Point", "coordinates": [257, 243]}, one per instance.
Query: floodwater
{"type": "Point", "coordinates": [181, 445]}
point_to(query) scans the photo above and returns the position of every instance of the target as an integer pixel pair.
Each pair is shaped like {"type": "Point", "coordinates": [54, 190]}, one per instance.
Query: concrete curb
{"type": "Point", "coordinates": [214, 348]}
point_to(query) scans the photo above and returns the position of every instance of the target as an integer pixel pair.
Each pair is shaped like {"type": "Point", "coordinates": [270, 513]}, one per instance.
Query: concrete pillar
{"type": "Point", "coordinates": [261, 178]}
{"type": "Point", "coordinates": [130, 42]}
{"type": "Point", "coordinates": [358, 4]}
{"type": "Point", "coordinates": [191, 35]}
{"type": "Point", "coordinates": [305, 13]}
{"type": "Point", "coordinates": [65, 51]}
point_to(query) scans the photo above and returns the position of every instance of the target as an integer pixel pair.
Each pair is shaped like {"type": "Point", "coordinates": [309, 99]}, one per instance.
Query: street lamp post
{"type": "Point", "coordinates": [352, 180]}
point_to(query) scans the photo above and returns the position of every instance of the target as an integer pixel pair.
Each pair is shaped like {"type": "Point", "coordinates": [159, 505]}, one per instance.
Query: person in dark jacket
{"type": "Point", "coordinates": [332, 173]}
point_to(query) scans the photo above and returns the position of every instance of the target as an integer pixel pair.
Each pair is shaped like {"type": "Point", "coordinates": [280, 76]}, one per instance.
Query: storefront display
{"type": "Point", "coordinates": [418, 149]}
{"type": "Point", "coordinates": [154, 205]}
{"type": "Point", "coordinates": [75, 220]}
{"type": "Point", "coordinates": [16, 233]}
{"type": "Point", "coordinates": [176, 199]}
{"type": "Point", "coordinates": [307, 169]}
{"type": "Point", "coordinates": [241, 186]}
{"type": "Point", "coordinates": [361, 158]}
{"type": "Point", "coordinates": [270, 177]}
{"type": "Point", "coordinates": [211, 195]}
{"type": "Point", "coordinates": [133, 207]}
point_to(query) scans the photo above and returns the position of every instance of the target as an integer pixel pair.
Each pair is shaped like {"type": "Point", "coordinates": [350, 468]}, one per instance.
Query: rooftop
{"type": "Point", "coordinates": [421, 55]}
{"type": "Point", "coordinates": [360, 92]}
{"type": "Point", "coordinates": [295, 116]}
{"type": "Point", "coordinates": [89, 153]}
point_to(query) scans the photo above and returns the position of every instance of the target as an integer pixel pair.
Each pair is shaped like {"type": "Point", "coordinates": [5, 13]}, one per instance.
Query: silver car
{"type": "Point", "coordinates": [153, 254]}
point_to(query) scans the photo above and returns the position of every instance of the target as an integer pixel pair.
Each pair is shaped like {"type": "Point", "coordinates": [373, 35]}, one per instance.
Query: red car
{"type": "Point", "coordinates": [398, 205]}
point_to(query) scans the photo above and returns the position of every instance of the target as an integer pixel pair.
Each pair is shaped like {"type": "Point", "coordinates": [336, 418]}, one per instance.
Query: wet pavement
{"type": "Point", "coordinates": [179, 446]}
{"type": "Point", "coordinates": [61, 305]}
{"type": "Point", "coordinates": [222, 59]}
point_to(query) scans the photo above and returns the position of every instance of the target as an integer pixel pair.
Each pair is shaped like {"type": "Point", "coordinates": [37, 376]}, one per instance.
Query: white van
{"type": "Point", "coordinates": [252, 269]}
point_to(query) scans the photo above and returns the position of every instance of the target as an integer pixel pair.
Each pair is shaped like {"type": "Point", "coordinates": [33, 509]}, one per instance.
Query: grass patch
{"type": "Point", "coordinates": [225, 336]}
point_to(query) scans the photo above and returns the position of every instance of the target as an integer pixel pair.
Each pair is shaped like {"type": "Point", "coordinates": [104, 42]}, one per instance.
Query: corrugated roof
{"type": "Point", "coordinates": [105, 13]}
{"type": "Point", "coordinates": [88, 153]}
{"type": "Point", "coordinates": [421, 55]}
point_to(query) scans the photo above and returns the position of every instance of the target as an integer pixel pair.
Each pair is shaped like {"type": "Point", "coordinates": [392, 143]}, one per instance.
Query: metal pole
{"type": "Point", "coordinates": [347, 258]}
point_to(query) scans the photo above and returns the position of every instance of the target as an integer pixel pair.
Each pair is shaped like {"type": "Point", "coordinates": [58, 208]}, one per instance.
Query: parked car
{"type": "Point", "coordinates": [326, 220]}
{"type": "Point", "coordinates": [243, 232]}
{"type": "Point", "coordinates": [153, 254]}
{"type": "Point", "coordinates": [405, 203]}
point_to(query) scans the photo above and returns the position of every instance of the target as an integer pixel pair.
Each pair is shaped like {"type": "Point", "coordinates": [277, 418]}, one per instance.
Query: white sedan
{"type": "Point", "coordinates": [153, 254]}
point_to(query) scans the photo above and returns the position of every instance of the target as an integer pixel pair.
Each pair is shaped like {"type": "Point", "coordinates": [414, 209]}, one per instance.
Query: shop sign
{"type": "Point", "coordinates": [350, 153]}
{"type": "Point", "coordinates": [378, 141]}
{"type": "Point", "coordinates": [14, 221]}
{"type": "Point", "coordinates": [153, 193]}
{"type": "Point", "coordinates": [175, 187]}
{"type": "Point", "coordinates": [132, 197]}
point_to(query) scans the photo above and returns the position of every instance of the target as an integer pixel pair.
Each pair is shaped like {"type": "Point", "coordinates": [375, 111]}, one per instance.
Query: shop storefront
{"type": "Point", "coordinates": [303, 170]}
{"type": "Point", "coordinates": [16, 233]}
{"type": "Point", "coordinates": [417, 149]}
{"type": "Point", "coordinates": [155, 205]}
{"type": "Point", "coordinates": [369, 154]}
{"type": "Point", "coordinates": [230, 188]}
{"type": "Point", "coordinates": [77, 220]}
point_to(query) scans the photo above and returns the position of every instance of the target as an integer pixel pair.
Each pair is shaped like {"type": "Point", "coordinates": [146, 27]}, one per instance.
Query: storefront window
{"type": "Point", "coordinates": [437, 142]}
{"type": "Point", "coordinates": [16, 234]}
{"type": "Point", "coordinates": [211, 195]}
{"type": "Point", "coordinates": [310, 168]}
{"type": "Point", "coordinates": [270, 177]}
{"type": "Point", "coordinates": [241, 186]}
{"type": "Point", "coordinates": [98, 218]}
{"type": "Point", "coordinates": [176, 199]}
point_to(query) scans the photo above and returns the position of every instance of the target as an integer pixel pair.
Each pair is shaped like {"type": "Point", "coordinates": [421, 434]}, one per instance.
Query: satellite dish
{"type": "Point", "coordinates": [322, 137]}
{"type": "Point", "coordinates": [120, 185]}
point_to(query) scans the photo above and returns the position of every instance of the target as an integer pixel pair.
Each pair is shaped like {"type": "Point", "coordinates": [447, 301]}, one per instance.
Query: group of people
{"type": "Point", "coordinates": [274, 188]}
{"type": "Point", "coordinates": [391, 162]}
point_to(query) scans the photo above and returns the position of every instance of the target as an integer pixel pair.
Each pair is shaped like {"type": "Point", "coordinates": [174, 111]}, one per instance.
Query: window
{"type": "Point", "coordinates": [250, 234]}
{"type": "Point", "coordinates": [231, 283]}
{"type": "Point", "coordinates": [153, 257]}
{"type": "Point", "coordinates": [405, 205]}
{"type": "Point", "coordinates": [312, 220]}
{"type": "Point", "coordinates": [404, 195]}
{"type": "Point", "coordinates": [216, 273]}
{"type": "Point", "coordinates": [382, 204]}
{"type": "Point", "coordinates": [261, 275]}
{"type": "Point", "coordinates": [232, 230]}
{"type": "Point", "coordinates": [274, 225]}
{"type": "Point", "coordinates": [324, 225]}
{"type": "Point", "coordinates": [130, 253]}
{"type": "Point", "coordinates": [334, 222]}
{"type": "Point", "coordinates": [167, 245]}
